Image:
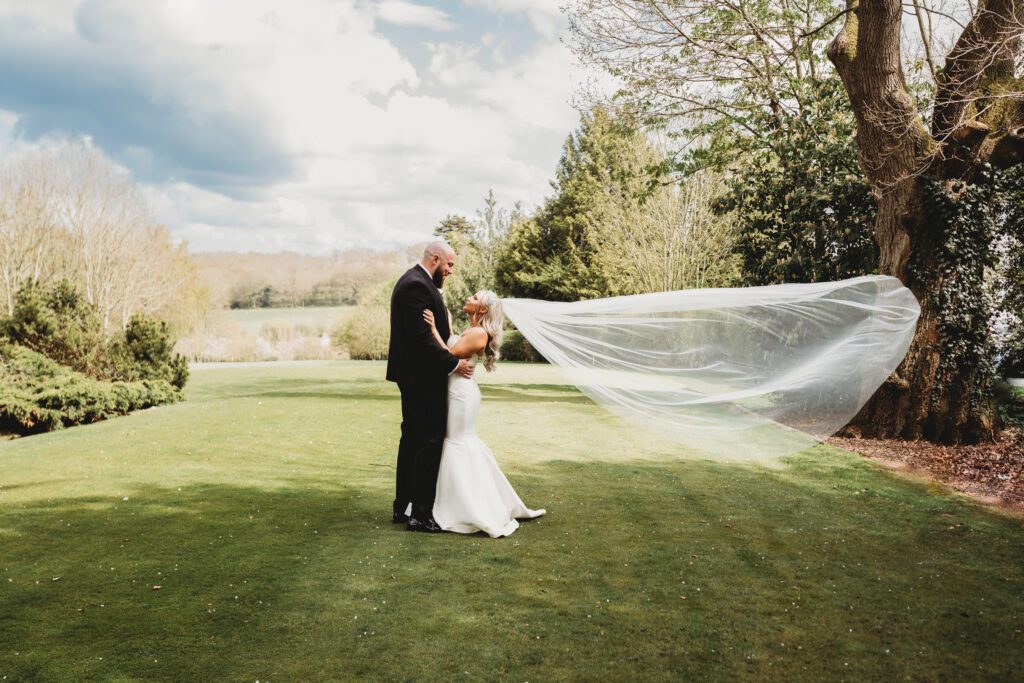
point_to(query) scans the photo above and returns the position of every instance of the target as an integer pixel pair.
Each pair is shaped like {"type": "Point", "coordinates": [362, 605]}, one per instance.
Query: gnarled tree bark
{"type": "Point", "coordinates": [978, 119]}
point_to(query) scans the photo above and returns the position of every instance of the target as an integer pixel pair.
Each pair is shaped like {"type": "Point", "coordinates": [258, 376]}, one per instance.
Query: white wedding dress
{"type": "Point", "coordinates": [472, 492]}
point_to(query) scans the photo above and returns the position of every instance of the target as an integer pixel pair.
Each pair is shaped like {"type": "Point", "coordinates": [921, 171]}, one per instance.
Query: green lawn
{"type": "Point", "coordinates": [316, 318]}
{"type": "Point", "coordinates": [261, 508]}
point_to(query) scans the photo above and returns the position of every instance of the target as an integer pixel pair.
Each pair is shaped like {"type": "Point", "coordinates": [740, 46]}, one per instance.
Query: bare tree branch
{"type": "Point", "coordinates": [989, 42]}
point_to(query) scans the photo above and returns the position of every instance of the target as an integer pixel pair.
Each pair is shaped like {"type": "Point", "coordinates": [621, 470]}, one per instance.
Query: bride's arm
{"type": "Point", "coordinates": [429, 317]}
{"type": "Point", "coordinates": [471, 343]}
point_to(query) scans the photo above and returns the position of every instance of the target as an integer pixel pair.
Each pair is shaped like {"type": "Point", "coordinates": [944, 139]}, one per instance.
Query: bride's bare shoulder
{"type": "Point", "coordinates": [475, 334]}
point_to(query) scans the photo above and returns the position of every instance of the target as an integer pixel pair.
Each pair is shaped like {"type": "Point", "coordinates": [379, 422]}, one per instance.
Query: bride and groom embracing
{"type": "Point", "coordinates": [735, 373]}
{"type": "Point", "coordinates": [446, 479]}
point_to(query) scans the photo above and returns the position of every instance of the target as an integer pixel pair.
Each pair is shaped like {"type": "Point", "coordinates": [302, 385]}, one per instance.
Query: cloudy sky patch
{"type": "Point", "coordinates": [310, 125]}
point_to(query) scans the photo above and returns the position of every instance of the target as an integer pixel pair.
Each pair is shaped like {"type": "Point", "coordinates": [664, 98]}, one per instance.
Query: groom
{"type": "Point", "coordinates": [421, 367]}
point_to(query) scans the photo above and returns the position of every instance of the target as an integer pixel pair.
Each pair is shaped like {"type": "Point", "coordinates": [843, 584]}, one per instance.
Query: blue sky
{"type": "Point", "coordinates": [306, 125]}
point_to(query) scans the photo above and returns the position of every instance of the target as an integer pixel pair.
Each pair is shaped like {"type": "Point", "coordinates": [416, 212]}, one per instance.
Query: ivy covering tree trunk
{"type": "Point", "coordinates": [941, 199]}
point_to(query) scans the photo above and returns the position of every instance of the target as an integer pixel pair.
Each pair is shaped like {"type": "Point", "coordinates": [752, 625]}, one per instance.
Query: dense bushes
{"type": "Point", "coordinates": [366, 332]}
{"type": "Point", "coordinates": [515, 347]}
{"type": "Point", "coordinates": [58, 323]}
{"type": "Point", "coordinates": [39, 395]}
{"type": "Point", "coordinates": [57, 368]}
{"type": "Point", "coordinates": [145, 351]}
{"type": "Point", "coordinates": [802, 207]}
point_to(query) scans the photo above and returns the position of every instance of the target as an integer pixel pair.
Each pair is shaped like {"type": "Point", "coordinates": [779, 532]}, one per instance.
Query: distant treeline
{"type": "Point", "coordinates": [287, 279]}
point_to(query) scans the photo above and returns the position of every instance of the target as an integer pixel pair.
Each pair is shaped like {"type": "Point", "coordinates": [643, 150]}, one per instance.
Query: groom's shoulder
{"type": "Point", "coordinates": [412, 280]}
{"type": "Point", "coordinates": [409, 277]}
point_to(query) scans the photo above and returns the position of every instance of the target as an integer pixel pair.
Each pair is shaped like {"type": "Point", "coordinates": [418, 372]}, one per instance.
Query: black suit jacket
{"type": "Point", "coordinates": [414, 356]}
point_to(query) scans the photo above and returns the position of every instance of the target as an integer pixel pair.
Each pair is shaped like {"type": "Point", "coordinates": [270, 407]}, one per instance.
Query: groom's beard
{"type": "Point", "coordinates": [438, 278]}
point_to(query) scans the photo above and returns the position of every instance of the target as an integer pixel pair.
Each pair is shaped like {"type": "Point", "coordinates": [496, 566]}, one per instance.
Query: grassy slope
{"type": "Point", "coordinates": [260, 506]}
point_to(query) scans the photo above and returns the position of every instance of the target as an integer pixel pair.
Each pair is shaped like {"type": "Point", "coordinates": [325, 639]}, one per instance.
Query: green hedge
{"type": "Point", "coordinates": [39, 395]}
{"type": "Point", "coordinates": [515, 347]}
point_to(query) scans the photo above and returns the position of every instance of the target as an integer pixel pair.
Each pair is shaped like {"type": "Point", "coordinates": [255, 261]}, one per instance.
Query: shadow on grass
{"type": "Point", "coordinates": [31, 484]}
{"type": "Point", "coordinates": [491, 393]}
{"type": "Point", "coordinates": [528, 393]}
{"type": "Point", "coordinates": [331, 394]}
{"type": "Point", "coordinates": [640, 571]}
{"type": "Point", "coordinates": [387, 392]}
{"type": "Point", "coordinates": [263, 385]}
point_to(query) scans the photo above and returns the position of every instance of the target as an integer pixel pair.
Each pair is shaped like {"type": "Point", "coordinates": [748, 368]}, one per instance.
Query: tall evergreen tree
{"type": "Point", "coordinates": [554, 255]}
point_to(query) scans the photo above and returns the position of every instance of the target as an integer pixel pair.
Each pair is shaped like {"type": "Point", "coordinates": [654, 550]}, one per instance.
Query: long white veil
{"type": "Point", "coordinates": [735, 373]}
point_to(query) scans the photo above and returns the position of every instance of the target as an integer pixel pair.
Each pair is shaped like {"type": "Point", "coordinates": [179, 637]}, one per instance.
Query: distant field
{"type": "Point", "coordinates": [318, 319]}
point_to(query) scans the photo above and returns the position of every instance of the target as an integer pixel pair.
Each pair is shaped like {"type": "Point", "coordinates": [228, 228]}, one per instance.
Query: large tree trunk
{"type": "Point", "coordinates": [923, 399]}
{"type": "Point", "coordinates": [915, 403]}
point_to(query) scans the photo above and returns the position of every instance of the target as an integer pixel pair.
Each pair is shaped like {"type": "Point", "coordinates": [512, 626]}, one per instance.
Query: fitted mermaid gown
{"type": "Point", "coordinates": [472, 492]}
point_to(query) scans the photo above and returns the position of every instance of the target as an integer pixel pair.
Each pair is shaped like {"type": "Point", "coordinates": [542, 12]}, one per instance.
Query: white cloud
{"type": "Point", "coordinates": [455, 65]}
{"type": "Point", "coordinates": [402, 13]}
{"type": "Point", "coordinates": [535, 89]}
{"type": "Point", "coordinates": [295, 125]}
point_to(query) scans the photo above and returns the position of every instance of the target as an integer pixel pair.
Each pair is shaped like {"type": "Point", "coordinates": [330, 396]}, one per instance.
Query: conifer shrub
{"type": "Point", "coordinates": [58, 368]}
{"type": "Point", "coordinates": [39, 395]}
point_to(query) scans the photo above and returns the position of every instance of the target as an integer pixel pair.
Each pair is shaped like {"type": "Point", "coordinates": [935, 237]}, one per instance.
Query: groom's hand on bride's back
{"type": "Point", "coordinates": [466, 367]}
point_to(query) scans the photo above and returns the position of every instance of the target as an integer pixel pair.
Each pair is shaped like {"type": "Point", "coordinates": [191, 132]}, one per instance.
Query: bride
{"type": "Point", "coordinates": [472, 493]}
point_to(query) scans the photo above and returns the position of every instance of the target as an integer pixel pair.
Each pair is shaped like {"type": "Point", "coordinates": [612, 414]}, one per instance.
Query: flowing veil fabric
{"type": "Point", "coordinates": [735, 373]}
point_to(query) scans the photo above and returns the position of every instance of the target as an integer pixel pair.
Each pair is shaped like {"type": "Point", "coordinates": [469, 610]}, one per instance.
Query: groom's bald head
{"type": "Point", "coordinates": [438, 248]}
{"type": "Point", "coordinates": [439, 260]}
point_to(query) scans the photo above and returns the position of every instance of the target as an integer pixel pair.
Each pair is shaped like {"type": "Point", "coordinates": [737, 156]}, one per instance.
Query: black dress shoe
{"type": "Point", "coordinates": [424, 524]}
{"type": "Point", "coordinates": [399, 518]}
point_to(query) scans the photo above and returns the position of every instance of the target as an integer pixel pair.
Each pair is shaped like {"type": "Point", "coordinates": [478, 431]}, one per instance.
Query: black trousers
{"type": "Point", "coordinates": [424, 421]}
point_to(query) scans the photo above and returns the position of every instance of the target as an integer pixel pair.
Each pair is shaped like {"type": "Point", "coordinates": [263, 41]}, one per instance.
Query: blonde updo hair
{"type": "Point", "coordinates": [493, 322]}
